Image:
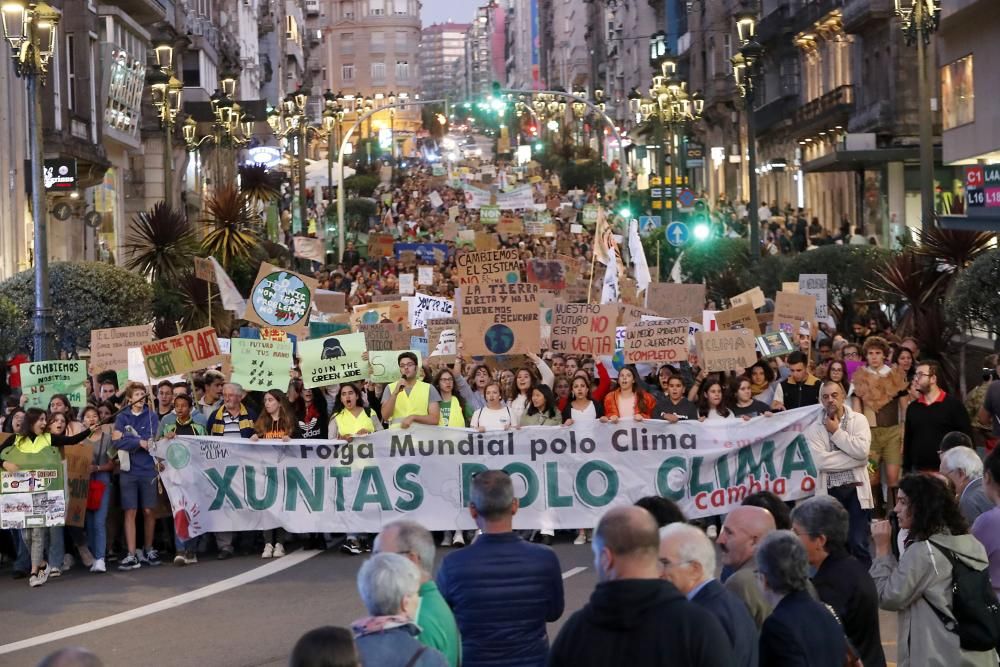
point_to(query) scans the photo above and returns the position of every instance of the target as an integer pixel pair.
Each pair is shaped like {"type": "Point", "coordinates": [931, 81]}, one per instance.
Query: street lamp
{"type": "Point", "coordinates": [231, 127]}
{"type": "Point", "coordinates": [167, 92]}
{"type": "Point", "coordinates": [30, 29]}
{"type": "Point", "coordinates": [918, 21]}
{"type": "Point", "coordinates": [746, 70]}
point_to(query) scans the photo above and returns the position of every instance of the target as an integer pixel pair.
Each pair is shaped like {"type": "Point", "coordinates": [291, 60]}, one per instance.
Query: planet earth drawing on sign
{"type": "Point", "coordinates": [499, 339]}
{"type": "Point", "coordinates": [281, 299]}
{"type": "Point", "coordinates": [512, 277]}
{"type": "Point", "coordinates": [371, 317]}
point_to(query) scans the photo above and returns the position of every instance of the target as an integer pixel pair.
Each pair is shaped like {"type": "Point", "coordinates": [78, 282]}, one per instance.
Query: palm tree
{"type": "Point", "coordinates": [230, 234]}
{"type": "Point", "coordinates": [258, 184]}
{"type": "Point", "coordinates": [161, 243]}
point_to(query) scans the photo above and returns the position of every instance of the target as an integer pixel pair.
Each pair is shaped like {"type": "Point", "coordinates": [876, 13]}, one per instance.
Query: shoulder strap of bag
{"type": "Point", "coordinates": [948, 620]}
{"type": "Point", "coordinates": [416, 656]}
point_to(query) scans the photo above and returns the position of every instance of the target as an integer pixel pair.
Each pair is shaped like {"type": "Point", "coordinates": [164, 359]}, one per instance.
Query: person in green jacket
{"type": "Point", "coordinates": [438, 629]}
{"type": "Point", "coordinates": [542, 409]}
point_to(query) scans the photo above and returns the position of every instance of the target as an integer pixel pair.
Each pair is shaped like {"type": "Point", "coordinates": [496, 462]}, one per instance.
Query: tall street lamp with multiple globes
{"type": "Point", "coordinates": [231, 126]}
{"type": "Point", "coordinates": [30, 30]}
{"type": "Point", "coordinates": [167, 91]}
{"type": "Point", "coordinates": [747, 71]}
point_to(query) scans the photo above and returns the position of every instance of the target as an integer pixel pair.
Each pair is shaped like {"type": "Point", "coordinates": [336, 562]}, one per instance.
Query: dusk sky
{"type": "Point", "coordinates": [439, 11]}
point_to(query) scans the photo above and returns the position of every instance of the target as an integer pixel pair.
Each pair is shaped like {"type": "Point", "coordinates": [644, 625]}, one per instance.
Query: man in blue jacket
{"type": "Point", "coordinates": [134, 432]}
{"type": "Point", "coordinates": [502, 589]}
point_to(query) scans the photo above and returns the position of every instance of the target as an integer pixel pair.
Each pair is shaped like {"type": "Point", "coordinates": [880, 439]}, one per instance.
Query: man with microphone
{"type": "Point", "coordinates": [840, 442]}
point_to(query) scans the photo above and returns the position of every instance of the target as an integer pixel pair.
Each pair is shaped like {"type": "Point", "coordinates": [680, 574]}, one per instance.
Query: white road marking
{"type": "Point", "coordinates": [566, 575]}
{"type": "Point", "coordinates": [275, 566]}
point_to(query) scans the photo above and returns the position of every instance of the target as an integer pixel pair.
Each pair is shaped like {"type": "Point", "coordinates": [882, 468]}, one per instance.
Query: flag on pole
{"type": "Point", "coordinates": [610, 292]}
{"type": "Point", "coordinates": [642, 277]}
{"type": "Point", "coordinates": [675, 271]}
{"type": "Point", "coordinates": [604, 238]}
{"type": "Point", "coordinates": [231, 298]}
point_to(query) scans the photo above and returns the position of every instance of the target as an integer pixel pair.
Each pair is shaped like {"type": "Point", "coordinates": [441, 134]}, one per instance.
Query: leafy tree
{"type": "Point", "coordinates": [363, 185]}
{"type": "Point", "coordinates": [846, 268]}
{"type": "Point", "coordinates": [357, 212]}
{"type": "Point", "coordinates": [13, 327]}
{"type": "Point", "coordinates": [85, 296]}
{"type": "Point", "coordinates": [230, 234]}
{"type": "Point", "coordinates": [161, 243]}
{"type": "Point", "coordinates": [975, 300]}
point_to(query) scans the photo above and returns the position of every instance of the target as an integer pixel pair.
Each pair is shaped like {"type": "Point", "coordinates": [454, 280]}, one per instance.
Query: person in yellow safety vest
{"type": "Point", "coordinates": [452, 405]}
{"type": "Point", "coordinates": [350, 418]}
{"type": "Point", "coordinates": [410, 401]}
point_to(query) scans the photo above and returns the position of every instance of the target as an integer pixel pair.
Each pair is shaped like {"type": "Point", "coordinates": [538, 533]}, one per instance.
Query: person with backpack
{"type": "Point", "coordinates": [940, 584]}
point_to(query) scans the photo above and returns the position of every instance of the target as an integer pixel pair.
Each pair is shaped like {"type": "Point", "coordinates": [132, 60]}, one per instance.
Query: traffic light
{"type": "Point", "coordinates": [539, 147]}
{"type": "Point", "coordinates": [700, 225]}
{"type": "Point", "coordinates": [625, 211]}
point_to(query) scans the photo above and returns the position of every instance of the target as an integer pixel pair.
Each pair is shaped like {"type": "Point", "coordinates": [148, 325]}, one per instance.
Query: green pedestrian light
{"type": "Point", "coordinates": [625, 212]}
{"type": "Point", "coordinates": [701, 231]}
{"type": "Point", "coordinates": [539, 146]}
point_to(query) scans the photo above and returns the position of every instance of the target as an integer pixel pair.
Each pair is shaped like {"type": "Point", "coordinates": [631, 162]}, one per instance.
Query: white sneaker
{"type": "Point", "coordinates": [86, 557]}
{"type": "Point", "coordinates": [38, 579]}
{"type": "Point", "coordinates": [68, 563]}
{"type": "Point", "coordinates": [53, 572]}
{"type": "Point", "coordinates": [581, 538]}
{"type": "Point", "coordinates": [446, 539]}
{"type": "Point", "coordinates": [459, 538]}
{"type": "Point", "coordinates": [268, 551]}
{"type": "Point", "coordinates": [98, 566]}
{"type": "Point", "coordinates": [279, 550]}
{"type": "Point", "coordinates": [139, 556]}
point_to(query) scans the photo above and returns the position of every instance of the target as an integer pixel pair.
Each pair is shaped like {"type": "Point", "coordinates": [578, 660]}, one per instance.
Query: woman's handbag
{"type": "Point", "coordinates": [95, 494]}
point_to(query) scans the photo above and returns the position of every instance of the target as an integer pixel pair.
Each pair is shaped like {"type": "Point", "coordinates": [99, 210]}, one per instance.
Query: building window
{"type": "Point", "coordinates": [727, 48]}
{"type": "Point", "coordinates": [347, 10]}
{"type": "Point", "coordinates": [958, 97]}
{"type": "Point", "coordinates": [347, 72]}
{"type": "Point", "coordinates": [402, 70]}
{"type": "Point", "coordinates": [402, 39]}
{"type": "Point", "coordinates": [70, 73]}
{"type": "Point", "coordinates": [399, 7]}
{"type": "Point", "coordinates": [378, 40]}
{"type": "Point", "coordinates": [376, 7]}
{"type": "Point", "coordinates": [291, 28]}
{"type": "Point", "coordinates": [378, 73]}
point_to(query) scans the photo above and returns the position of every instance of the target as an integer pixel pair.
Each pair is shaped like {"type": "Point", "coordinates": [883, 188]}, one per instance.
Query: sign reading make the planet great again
{"type": "Point", "coordinates": [563, 477]}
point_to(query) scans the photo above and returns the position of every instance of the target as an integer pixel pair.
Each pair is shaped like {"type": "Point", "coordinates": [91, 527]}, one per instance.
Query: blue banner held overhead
{"type": "Point", "coordinates": [427, 253]}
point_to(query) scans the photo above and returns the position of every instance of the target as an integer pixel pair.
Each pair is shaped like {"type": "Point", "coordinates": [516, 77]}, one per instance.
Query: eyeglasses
{"type": "Point", "coordinates": [666, 562]}
{"type": "Point", "coordinates": [851, 355]}
{"type": "Point", "coordinates": [408, 364]}
{"type": "Point", "coordinates": [923, 375]}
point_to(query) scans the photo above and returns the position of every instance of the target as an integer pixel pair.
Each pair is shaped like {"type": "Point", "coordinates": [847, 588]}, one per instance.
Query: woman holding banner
{"type": "Point", "coordinates": [99, 494]}
{"type": "Point", "coordinates": [452, 406]}
{"type": "Point", "coordinates": [472, 390]}
{"type": "Point", "coordinates": [495, 415]}
{"type": "Point", "coordinates": [350, 418]}
{"type": "Point", "coordinates": [542, 411]}
{"type": "Point", "coordinates": [629, 400]}
{"type": "Point", "coordinates": [711, 406]}
{"type": "Point", "coordinates": [276, 422]}
{"type": "Point", "coordinates": [582, 409]}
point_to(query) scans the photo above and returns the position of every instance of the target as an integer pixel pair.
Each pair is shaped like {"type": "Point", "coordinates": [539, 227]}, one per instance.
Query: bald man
{"type": "Point", "coordinates": [634, 615]}
{"type": "Point", "coordinates": [71, 657]}
{"type": "Point", "coordinates": [743, 530]}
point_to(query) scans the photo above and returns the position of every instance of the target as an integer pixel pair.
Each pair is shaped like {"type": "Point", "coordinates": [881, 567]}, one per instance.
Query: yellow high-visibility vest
{"type": "Point", "coordinates": [451, 414]}
{"type": "Point", "coordinates": [415, 403]}
{"type": "Point", "coordinates": [348, 424]}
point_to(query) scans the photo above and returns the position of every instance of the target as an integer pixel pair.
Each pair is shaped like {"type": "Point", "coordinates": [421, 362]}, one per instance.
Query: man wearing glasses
{"type": "Point", "coordinates": [928, 419]}
{"type": "Point", "coordinates": [409, 401]}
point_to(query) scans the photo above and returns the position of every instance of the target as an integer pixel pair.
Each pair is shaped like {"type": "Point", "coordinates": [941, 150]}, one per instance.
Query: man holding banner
{"type": "Point", "coordinates": [409, 400]}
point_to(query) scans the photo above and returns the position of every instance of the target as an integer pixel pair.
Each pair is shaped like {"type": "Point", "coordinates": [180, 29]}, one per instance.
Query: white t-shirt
{"type": "Point", "coordinates": [587, 415]}
{"type": "Point", "coordinates": [492, 420]}
{"type": "Point", "coordinates": [714, 416]}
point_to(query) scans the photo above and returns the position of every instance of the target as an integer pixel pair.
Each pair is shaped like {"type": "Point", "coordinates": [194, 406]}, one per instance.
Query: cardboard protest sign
{"type": "Point", "coordinates": [397, 312]}
{"type": "Point", "coordinates": [380, 245]}
{"type": "Point", "coordinates": [489, 266]}
{"type": "Point", "coordinates": [534, 227]}
{"type": "Point", "coordinates": [816, 284]}
{"type": "Point", "coordinates": [792, 310]}
{"type": "Point", "coordinates": [676, 299]}
{"type": "Point", "coordinates": [658, 343]}
{"type": "Point", "coordinates": [791, 288]}
{"type": "Point", "coordinates": [332, 360]}
{"type": "Point", "coordinates": [726, 350]}
{"type": "Point", "coordinates": [548, 274]}
{"type": "Point", "coordinates": [582, 328]}
{"type": "Point", "coordinates": [309, 248]}
{"type": "Point", "coordinates": [754, 297]}
{"type": "Point", "coordinates": [385, 365]}
{"type": "Point", "coordinates": [510, 225]}
{"type": "Point", "coordinates": [259, 365]}
{"type": "Point", "coordinates": [442, 337]}
{"type": "Point", "coordinates": [483, 241]}
{"type": "Point", "coordinates": [738, 317]}
{"type": "Point", "coordinates": [631, 314]}
{"type": "Point", "coordinates": [204, 269]}
{"type": "Point", "coordinates": [327, 301]}
{"type": "Point", "coordinates": [500, 318]}
{"type": "Point", "coordinates": [406, 283]}
{"type": "Point", "coordinates": [425, 275]}
{"type": "Point", "coordinates": [109, 347]}
{"type": "Point", "coordinates": [424, 307]}
{"type": "Point", "coordinates": [774, 344]}
{"type": "Point", "coordinates": [186, 352]}
{"type": "Point", "coordinates": [41, 380]}
{"type": "Point", "coordinates": [78, 459]}
{"type": "Point", "coordinates": [280, 298]}
{"type": "Point", "coordinates": [379, 336]}
{"type": "Point", "coordinates": [33, 497]}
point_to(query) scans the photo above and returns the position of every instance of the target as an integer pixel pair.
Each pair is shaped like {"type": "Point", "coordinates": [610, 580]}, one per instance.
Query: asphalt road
{"type": "Point", "coordinates": [238, 613]}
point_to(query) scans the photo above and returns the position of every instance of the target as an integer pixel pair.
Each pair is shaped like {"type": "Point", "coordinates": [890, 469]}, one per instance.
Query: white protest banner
{"type": "Point", "coordinates": [332, 359]}
{"type": "Point", "coordinates": [425, 307]}
{"type": "Point", "coordinates": [109, 347]}
{"type": "Point", "coordinates": [406, 283]}
{"type": "Point", "coordinates": [475, 197]}
{"type": "Point", "coordinates": [818, 285]}
{"type": "Point", "coordinates": [41, 380]}
{"type": "Point", "coordinates": [425, 275]}
{"type": "Point", "coordinates": [500, 318]}
{"type": "Point", "coordinates": [657, 343]}
{"type": "Point", "coordinates": [309, 248]}
{"type": "Point", "coordinates": [385, 365]}
{"type": "Point", "coordinates": [522, 197]}
{"type": "Point", "coordinates": [259, 365]}
{"type": "Point", "coordinates": [726, 350]}
{"type": "Point", "coordinates": [565, 477]}
{"type": "Point", "coordinates": [137, 366]}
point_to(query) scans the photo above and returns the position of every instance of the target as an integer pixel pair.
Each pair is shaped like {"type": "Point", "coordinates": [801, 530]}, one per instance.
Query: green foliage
{"type": "Point", "coordinates": [846, 268]}
{"type": "Point", "coordinates": [230, 226]}
{"type": "Point", "coordinates": [161, 243]}
{"type": "Point", "coordinates": [583, 174]}
{"type": "Point", "coordinates": [361, 185]}
{"type": "Point", "coordinates": [357, 212]}
{"type": "Point", "coordinates": [12, 327]}
{"type": "Point", "coordinates": [975, 300]}
{"type": "Point", "coordinates": [85, 296]}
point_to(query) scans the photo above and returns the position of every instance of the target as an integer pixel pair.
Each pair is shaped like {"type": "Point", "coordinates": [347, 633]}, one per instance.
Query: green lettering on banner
{"type": "Point", "coordinates": [663, 474]}
{"type": "Point", "coordinates": [798, 457]}
{"type": "Point", "coordinates": [404, 484]}
{"type": "Point", "coordinates": [371, 476]}
{"type": "Point", "coordinates": [530, 482]}
{"type": "Point", "coordinates": [162, 365]}
{"type": "Point", "coordinates": [722, 471]}
{"type": "Point", "coordinates": [610, 479]}
{"type": "Point", "coordinates": [339, 474]}
{"type": "Point", "coordinates": [552, 487]}
{"type": "Point", "coordinates": [696, 486]}
{"type": "Point", "coordinates": [223, 487]}
{"type": "Point", "coordinates": [296, 485]}
{"type": "Point", "coordinates": [270, 487]}
{"type": "Point", "coordinates": [469, 470]}
{"type": "Point", "coordinates": [747, 465]}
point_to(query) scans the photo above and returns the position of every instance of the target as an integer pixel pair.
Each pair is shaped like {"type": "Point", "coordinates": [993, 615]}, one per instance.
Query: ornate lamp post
{"type": "Point", "coordinates": [231, 127]}
{"type": "Point", "coordinates": [31, 31]}
{"type": "Point", "coordinates": [167, 92]}
{"type": "Point", "coordinates": [746, 71]}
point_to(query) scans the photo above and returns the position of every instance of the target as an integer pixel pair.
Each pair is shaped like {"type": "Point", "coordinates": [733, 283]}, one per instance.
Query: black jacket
{"type": "Point", "coordinates": [567, 412]}
{"type": "Point", "coordinates": [640, 623]}
{"type": "Point", "coordinates": [801, 632]}
{"type": "Point", "coordinates": [799, 394]}
{"type": "Point", "coordinates": [735, 619]}
{"type": "Point", "coordinates": [844, 583]}
{"type": "Point", "coordinates": [685, 409]}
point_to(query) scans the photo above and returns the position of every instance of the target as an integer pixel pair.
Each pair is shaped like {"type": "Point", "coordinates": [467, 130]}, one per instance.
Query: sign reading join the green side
{"type": "Point", "coordinates": [385, 365]}
{"type": "Point", "coordinates": [44, 379]}
{"type": "Point", "coordinates": [259, 365]}
{"type": "Point", "coordinates": [489, 215]}
{"type": "Point", "coordinates": [333, 359]}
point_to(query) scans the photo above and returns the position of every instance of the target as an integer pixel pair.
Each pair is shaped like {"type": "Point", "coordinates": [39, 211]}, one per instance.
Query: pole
{"type": "Point", "coordinates": [673, 175]}
{"type": "Point", "coordinates": [43, 310]}
{"type": "Point", "coordinates": [926, 131]}
{"type": "Point", "coordinates": [168, 160]}
{"type": "Point", "coordinates": [752, 173]}
{"type": "Point", "coordinates": [661, 142]}
{"type": "Point", "coordinates": [302, 177]}
{"type": "Point", "coordinates": [209, 285]}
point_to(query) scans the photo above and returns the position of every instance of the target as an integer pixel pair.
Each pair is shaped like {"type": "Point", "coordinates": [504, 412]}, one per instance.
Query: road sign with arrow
{"type": "Point", "coordinates": [677, 234]}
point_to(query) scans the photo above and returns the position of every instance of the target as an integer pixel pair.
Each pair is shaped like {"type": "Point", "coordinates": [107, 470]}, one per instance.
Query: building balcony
{"type": "Point", "coordinates": [770, 114]}
{"type": "Point", "coordinates": [774, 26]}
{"type": "Point", "coordinates": [829, 110]}
{"type": "Point", "coordinates": [859, 14]}
{"type": "Point", "coordinates": [878, 118]}
{"type": "Point", "coordinates": [143, 12]}
{"type": "Point", "coordinates": [810, 12]}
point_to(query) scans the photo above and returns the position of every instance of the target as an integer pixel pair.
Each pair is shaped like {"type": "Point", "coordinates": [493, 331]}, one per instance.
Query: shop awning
{"type": "Point", "coordinates": [855, 160]}
{"type": "Point", "coordinates": [978, 223]}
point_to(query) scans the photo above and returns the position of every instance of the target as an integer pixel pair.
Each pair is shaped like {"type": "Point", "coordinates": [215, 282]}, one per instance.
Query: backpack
{"type": "Point", "coordinates": [974, 606]}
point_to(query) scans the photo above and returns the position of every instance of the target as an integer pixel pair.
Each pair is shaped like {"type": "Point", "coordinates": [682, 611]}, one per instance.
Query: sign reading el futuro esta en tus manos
{"type": "Point", "coordinates": [563, 477]}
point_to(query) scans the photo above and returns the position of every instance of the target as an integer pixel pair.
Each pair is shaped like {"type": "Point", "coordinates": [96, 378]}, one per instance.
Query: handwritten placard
{"type": "Point", "coordinates": [676, 299]}
{"type": "Point", "coordinates": [725, 351]}
{"type": "Point", "coordinates": [489, 266]}
{"type": "Point", "coordinates": [737, 317]}
{"type": "Point", "coordinates": [500, 319]}
{"type": "Point", "coordinates": [583, 328]}
{"type": "Point", "coordinates": [658, 343]}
